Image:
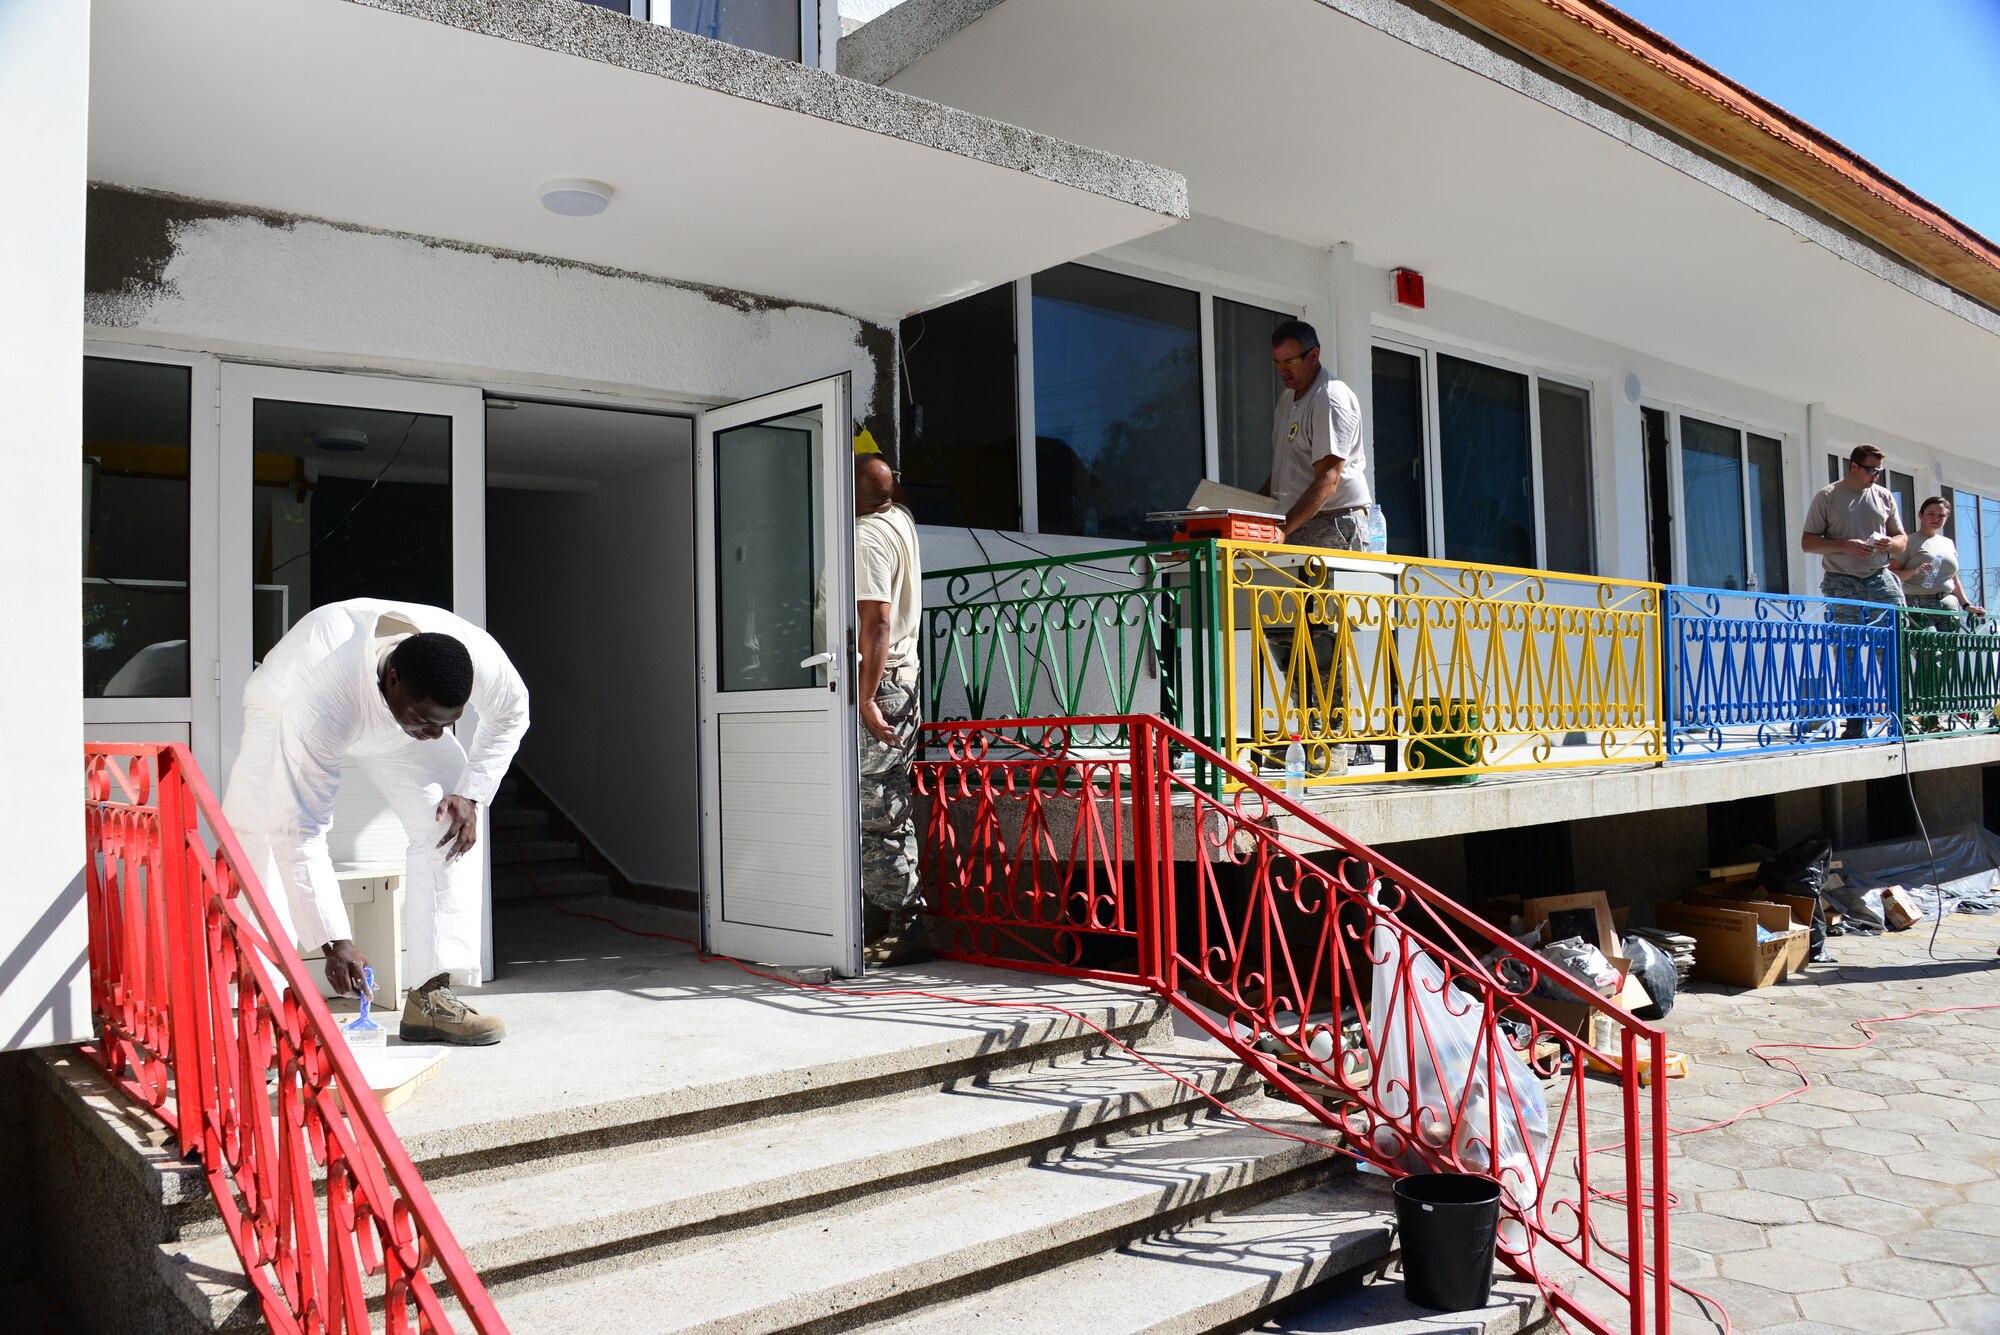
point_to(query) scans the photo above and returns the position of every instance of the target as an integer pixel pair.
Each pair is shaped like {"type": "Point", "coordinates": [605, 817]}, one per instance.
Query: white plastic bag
{"type": "Point", "coordinates": [1437, 1109]}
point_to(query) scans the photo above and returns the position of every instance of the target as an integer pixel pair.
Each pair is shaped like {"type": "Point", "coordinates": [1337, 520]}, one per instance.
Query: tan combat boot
{"type": "Point", "coordinates": [434, 1014]}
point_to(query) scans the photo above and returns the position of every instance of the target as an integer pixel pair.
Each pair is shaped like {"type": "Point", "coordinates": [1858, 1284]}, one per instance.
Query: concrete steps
{"type": "Point", "coordinates": [1208, 1274]}
{"type": "Point", "coordinates": [830, 1268]}
{"type": "Point", "coordinates": [985, 1168]}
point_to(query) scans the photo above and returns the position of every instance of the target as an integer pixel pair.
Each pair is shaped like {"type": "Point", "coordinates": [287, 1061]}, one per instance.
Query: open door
{"type": "Point", "coordinates": [774, 552]}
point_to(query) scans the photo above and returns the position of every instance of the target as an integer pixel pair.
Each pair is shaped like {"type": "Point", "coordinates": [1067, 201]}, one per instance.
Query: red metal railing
{"type": "Point", "coordinates": [1389, 1011]}
{"type": "Point", "coordinates": [216, 1026]}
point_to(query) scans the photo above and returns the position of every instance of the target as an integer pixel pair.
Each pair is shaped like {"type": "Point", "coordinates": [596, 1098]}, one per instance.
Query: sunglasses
{"type": "Point", "coordinates": [1873, 470]}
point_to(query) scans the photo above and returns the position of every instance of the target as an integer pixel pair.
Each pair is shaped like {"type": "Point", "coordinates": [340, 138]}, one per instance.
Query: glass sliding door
{"type": "Point", "coordinates": [1770, 540]}
{"type": "Point", "coordinates": [1396, 464]}
{"type": "Point", "coordinates": [1118, 400]}
{"type": "Point", "coordinates": [1712, 500]}
{"type": "Point", "coordinates": [1486, 463]}
{"type": "Point", "coordinates": [1567, 490]}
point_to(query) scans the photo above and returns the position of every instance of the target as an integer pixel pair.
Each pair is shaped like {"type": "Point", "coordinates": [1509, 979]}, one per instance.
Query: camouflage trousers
{"type": "Point", "coordinates": [888, 812]}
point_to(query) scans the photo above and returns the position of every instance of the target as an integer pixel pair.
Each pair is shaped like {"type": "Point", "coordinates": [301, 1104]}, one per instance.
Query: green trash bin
{"type": "Point", "coordinates": [1441, 756]}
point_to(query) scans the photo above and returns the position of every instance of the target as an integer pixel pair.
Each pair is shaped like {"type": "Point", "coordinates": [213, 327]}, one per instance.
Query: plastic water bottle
{"type": "Point", "coordinates": [1295, 769]}
{"type": "Point", "coordinates": [363, 1031]}
{"type": "Point", "coordinates": [1378, 530]}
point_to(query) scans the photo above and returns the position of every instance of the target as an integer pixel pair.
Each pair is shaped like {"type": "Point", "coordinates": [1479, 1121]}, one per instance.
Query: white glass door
{"type": "Point", "coordinates": [335, 487]}
{"type": "Point", "coordinates": [774, 517]}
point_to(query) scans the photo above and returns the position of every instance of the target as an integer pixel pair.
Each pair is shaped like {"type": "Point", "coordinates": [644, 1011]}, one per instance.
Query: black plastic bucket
{"type": "Point", "coordinates": [1449, 1223]}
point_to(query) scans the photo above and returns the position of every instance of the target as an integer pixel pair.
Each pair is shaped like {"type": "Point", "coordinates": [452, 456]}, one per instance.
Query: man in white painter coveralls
{"type": "Point", "coordinates": [377, 685]}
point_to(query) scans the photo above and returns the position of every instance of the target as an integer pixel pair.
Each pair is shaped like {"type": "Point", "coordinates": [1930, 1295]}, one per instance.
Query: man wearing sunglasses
{"type": "Point", "coordinates": [1853, 527]}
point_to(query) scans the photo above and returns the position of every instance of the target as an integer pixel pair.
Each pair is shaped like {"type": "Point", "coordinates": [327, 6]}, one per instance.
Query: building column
{"type": "Point", "coordinates": [44, 102]}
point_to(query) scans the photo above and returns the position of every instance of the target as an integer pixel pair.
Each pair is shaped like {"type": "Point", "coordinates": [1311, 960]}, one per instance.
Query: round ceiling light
{"type": "Point", "coordinates": [341, 440]}
{"type": "Point", "coordinates": [574, 197]}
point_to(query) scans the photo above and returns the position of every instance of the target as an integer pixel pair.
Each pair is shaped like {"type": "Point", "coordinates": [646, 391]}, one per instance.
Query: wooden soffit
{"type": "Point", "coordinates": [1612, 52]}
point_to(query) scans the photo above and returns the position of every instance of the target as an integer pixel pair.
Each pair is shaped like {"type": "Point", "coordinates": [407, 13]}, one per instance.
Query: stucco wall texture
{"type": "Point", "coordinates": [191, 274]}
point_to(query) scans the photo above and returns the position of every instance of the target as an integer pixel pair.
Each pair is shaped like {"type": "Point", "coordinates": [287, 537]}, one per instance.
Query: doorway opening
{"type": "Point", "coordinates": [590, 572]}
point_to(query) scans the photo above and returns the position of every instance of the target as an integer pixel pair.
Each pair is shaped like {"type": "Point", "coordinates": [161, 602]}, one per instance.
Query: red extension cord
{"type": "Point", "coordinates": [1618, 1199]}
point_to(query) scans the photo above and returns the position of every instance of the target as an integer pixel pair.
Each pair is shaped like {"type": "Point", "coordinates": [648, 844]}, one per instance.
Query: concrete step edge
{"type": "Point", "coordinates": [1211, 1273]}
{"type": "Point", "coordinates": [1136, 1018]}
{"type": "Point", "coordinates": [816, 1158]}
{"type": "Point", "coordinates": [843, 1262]}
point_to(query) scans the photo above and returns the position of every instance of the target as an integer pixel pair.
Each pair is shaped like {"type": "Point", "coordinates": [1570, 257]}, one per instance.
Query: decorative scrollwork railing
{"type": "Point", "coordinates": [1772, 672]}
{"type": "Point", "coordinates": [1950, 672]}
{"type": "Point", "coordinates": [1099, 634]}
{"type": "Point", "coordinates": [1457, 668]}
{"type": "Point", "coordinates": [1411, 1028]}
{"type": "Point", "coordinates": [213, 1023]}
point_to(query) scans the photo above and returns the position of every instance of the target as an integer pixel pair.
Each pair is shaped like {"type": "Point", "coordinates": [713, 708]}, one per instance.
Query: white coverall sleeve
{"type": "Point", "coordinates": [501, 699]}
{"type": "Point", "coordinates": [313, 734]}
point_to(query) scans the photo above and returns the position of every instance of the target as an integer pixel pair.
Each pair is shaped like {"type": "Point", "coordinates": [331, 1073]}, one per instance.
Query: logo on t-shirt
{"type": "Point", "coordinates": [1292, 432]}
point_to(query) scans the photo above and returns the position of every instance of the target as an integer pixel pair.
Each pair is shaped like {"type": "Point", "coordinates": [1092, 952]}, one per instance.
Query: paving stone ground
{"type": "Point", "coordinates": [1871, 1201]}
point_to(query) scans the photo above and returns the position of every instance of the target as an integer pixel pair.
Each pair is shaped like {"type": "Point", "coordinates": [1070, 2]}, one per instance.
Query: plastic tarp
{"type": "Point", "coordinates": [1962, 864]}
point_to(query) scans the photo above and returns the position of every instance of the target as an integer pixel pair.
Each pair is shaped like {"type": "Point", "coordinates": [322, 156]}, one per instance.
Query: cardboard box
{"type": "Point", "coordinates": [1899, 911]}
{"type": "Point", "coordinates": [1797, 929]}
{"type": "Point", "coordinates": [1727, 950]}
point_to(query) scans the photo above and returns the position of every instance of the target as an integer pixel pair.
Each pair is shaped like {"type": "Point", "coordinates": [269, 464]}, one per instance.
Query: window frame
{"type": "Point", "coordinates": [1205, 293]}
{"type": "Point", "coordinates": [1427, 352]}
{"type": "Point", "coordinates": [1744, 429]}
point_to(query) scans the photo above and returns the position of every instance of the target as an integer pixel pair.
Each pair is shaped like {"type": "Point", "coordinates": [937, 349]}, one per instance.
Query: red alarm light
{"type": "Point", "coordinates": [1409, 288]}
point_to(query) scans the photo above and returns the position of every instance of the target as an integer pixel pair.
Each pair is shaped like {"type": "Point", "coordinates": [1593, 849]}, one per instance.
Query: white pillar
{"type": "Point", "coordinates": [44, 100]}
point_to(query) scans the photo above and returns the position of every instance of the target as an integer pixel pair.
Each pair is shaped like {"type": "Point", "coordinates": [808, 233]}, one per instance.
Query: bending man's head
{"type": "Point", "coordinates": [874, 484]}
{"type": "Point", "coordinates": [426, 683]}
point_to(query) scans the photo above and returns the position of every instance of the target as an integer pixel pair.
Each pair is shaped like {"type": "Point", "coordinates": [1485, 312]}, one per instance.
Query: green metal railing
{"type": "Point", "coordinates": [1950, 672]}
{"type": "Point", "coordinates": [1125, 631]}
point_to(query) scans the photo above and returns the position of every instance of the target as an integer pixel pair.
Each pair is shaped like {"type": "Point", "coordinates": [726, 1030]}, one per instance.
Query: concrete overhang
{"type": "Point", "coordinates": [1427, 143]}
{"type": "Point", "coordinates": [731, 169]}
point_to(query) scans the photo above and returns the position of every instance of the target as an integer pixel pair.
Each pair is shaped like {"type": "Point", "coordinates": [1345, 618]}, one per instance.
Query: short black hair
{"type": "Point", "coordinates": [434, 667]}
{"type": "Point", "coordinates": [1296, 331]}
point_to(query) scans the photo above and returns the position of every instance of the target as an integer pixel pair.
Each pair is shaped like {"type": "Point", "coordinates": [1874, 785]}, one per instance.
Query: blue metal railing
{"type": "Point", "coordinates": [1771, 672]}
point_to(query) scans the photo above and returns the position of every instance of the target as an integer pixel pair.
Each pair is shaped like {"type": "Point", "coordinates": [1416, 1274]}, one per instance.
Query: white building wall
{"type": "Point", "coordinates": [44, 103]}
{"type": "Point", "coordinates": [331, 297]}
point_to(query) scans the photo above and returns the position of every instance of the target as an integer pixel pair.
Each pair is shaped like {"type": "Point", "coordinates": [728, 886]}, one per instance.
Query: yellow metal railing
{"type": "Point", "coordinates": [1449, 669]}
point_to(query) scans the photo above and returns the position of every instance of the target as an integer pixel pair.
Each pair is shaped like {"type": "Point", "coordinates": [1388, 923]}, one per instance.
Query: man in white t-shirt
{"type": "Point", "coordinates": [889, 604]}
{"type": "Point", "coordinates": [1319, 478]}
{"type": "Point", "coordinates": [1319, 468]}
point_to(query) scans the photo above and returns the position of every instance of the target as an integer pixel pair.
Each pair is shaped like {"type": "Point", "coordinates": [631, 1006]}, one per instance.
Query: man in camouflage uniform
{"type": "Point", "coordinates": [888, 591]}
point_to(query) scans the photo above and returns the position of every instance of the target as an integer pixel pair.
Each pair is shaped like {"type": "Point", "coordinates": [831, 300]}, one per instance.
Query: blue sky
{"type": "Point", "coordinates": [1911, 85]}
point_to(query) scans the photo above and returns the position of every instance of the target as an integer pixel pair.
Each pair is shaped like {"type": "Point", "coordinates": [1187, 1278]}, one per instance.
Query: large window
{"type": "Point", "coordinates": [1485, 463]}
{"type": "Point", "coordinates": [1118, 400]}
{"type": "Point", "coordinates": [1246, 390]}
{"type": "Point", "coordinates": [959, 463]}
{"type": "Point", "coordinates": [1733, 498]}
{"type": "Point", "coordinates": [135, 542]}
